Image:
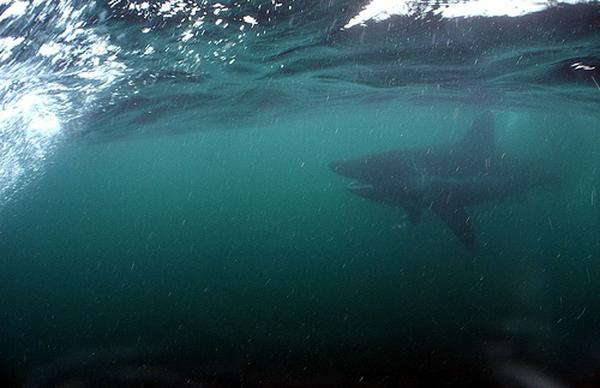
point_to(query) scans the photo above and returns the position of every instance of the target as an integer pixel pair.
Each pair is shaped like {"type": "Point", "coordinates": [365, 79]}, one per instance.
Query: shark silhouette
{"type": "Point", "coordinates": [445, 178]}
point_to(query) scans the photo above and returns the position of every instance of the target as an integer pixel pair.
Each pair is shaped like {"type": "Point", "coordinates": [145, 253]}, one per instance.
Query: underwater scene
{"type": "Point", "coordinates": [299, 193]}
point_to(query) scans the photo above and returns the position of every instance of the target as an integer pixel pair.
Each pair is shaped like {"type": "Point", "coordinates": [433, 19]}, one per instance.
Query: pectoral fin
{"type": "Point", "coordinates": [458, 221]}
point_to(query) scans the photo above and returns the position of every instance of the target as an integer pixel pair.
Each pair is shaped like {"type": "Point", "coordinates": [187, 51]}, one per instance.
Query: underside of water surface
{"type": "Point", "coordinates": [299, 193]}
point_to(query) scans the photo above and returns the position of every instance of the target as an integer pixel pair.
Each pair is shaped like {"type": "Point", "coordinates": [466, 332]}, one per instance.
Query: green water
{"type": "Point", "coordinates": [240, 247]}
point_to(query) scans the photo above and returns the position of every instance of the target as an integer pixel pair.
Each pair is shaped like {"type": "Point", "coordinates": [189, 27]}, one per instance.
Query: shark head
{"type": "Point", "coordinates": [354, 168]}
{"type": "Point", "coordinates": [374, 178]}
{"type": "Point", "coordinates": [374, 169]}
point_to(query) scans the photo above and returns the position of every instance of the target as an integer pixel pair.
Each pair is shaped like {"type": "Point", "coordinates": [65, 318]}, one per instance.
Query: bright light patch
{"type": "Point", "coordinates": [379, 10]}
{"type": "Point", "coordinates": [187, 35]}
{"type": "Point", "coordinates": [7, 45]}
{"type": "Point", "coordinates": [17, 8]}
{"type": "Point", "coordinates": [45, 125]}
{"type": "Point", "coordinates": [250, 20]}
{"type": "Point", "coordinates": [38, 98]}
{"type": "Point", "coordinates": [29, 130]}
{"type": "Point", "coordinates": [582, 66]}
{"type": "Point", "coordinates": [49, 49]}
{"type": "Point", "coordinates": [488, 8]}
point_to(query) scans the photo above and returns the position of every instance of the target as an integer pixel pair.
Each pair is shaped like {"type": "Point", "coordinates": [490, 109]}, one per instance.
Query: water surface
{"type": "Point", "coordinates": [166, 210]}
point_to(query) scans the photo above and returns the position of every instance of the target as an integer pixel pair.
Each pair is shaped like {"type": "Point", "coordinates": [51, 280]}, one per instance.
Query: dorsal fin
{"type": "Point", "coordinates": [479, 140]}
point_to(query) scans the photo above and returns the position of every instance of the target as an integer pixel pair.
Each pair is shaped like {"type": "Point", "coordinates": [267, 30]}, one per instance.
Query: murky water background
{"type": "Point", "coordinates": [165, 197]}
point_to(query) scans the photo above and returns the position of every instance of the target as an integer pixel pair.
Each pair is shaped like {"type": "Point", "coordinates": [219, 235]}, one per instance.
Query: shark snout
{"type": "Point", "coordinates": [335, 166]}
{"type": "Point", "coordinates": [347, 168]}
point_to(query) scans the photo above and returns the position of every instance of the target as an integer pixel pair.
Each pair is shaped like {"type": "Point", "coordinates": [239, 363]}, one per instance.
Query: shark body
{"type": "Point", "coordinates": [446, 178]}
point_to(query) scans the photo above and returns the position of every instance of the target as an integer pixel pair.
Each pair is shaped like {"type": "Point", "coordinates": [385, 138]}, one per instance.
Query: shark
{"type": "Point", "coordinates": [446, 178]}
